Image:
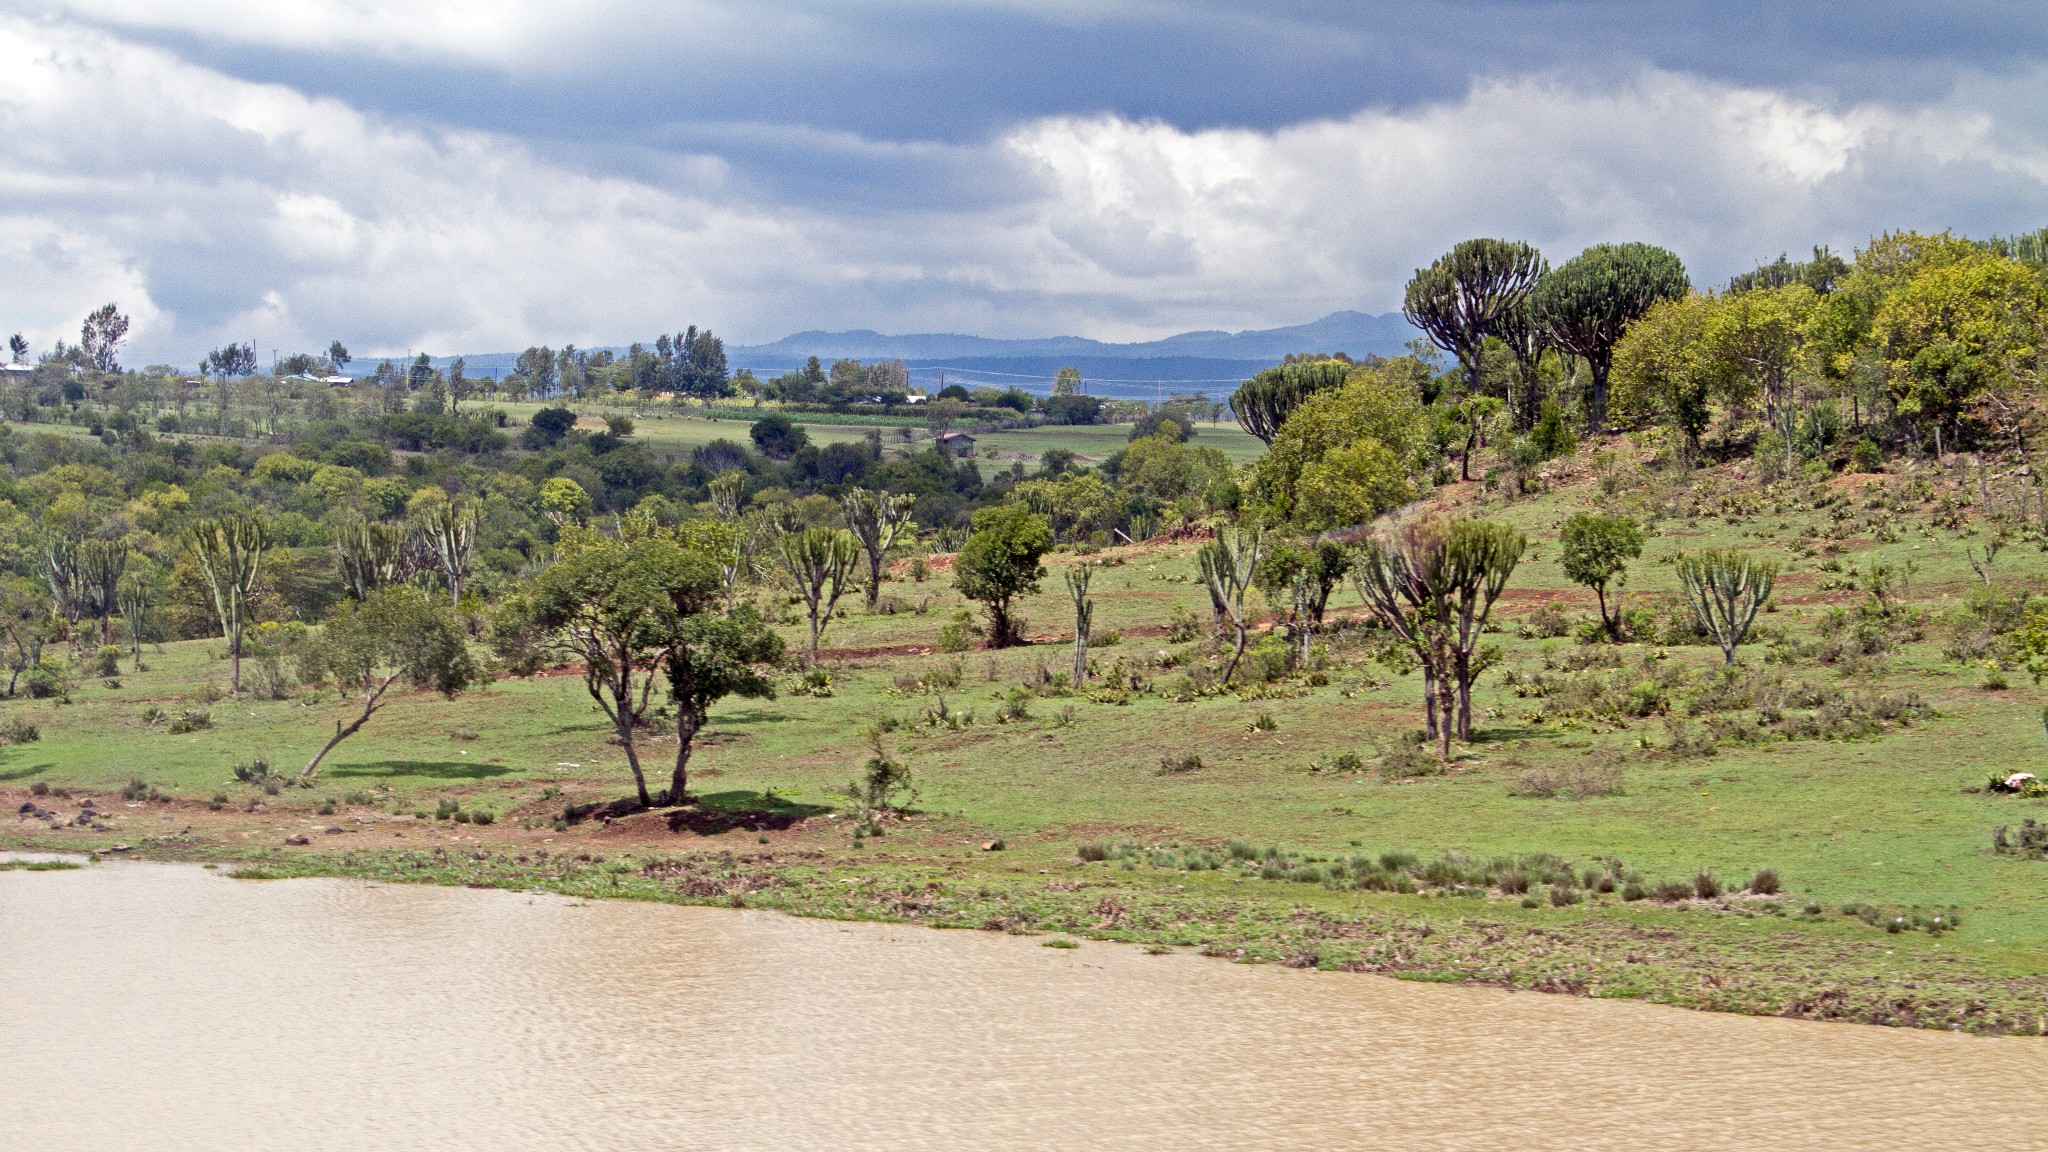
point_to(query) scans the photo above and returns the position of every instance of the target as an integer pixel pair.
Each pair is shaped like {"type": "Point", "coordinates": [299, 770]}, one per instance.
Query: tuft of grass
{"type": "Point", "coordinates": [1059, 942]}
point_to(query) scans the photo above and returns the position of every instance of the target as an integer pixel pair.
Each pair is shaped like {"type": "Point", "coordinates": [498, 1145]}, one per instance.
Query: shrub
{"type": "Point", "coordinates": [1175, 765]}
{"type": "Point", "coordinates": [1671, 892]}
{"type": "Point", "coordinates": [958, 634]}
{"type": "Point", "coordinates": [19, 731]}
{"type": "Point", "coordinates": [1092, 851]}
{"type": "Point", "coordinates": [135, 789]}
{"type": "Point", "coordinates": [191, 720]}
{"type": "Point", "coordinates": [219, 801]}
{"type": "Point", "coordinates": [1547, 622]}
{"type": "Point", "coordinates": [1562, 896]}
{"type": "Point", "coordinates": [461, 817]}
{"type": "Point", "coordinates": [1764, 883]}
{"type": "Point", "coordinates": [253, 771]}
{"type": "Point", "coordinates": [1264, 722]}
{"type": "Point", "coordinates": [1705, 886]}
{"type": "Point", "coordinates": [1182, 625]}
{"type": "Point", "coordinates": [447, 808]}
{"type": "Point", "coordinates": [1593, 777]}
{"type": "Point", "coordinates": [1864, 456]}
{"type": "Point", "coordinates": [324, 808]}
{"type": "Point", "coordinates": [1107, 638]}
{"type": "Point", "coordinates": [107, 661]}
{"type": "Point", "coordinates": [1410, 758]}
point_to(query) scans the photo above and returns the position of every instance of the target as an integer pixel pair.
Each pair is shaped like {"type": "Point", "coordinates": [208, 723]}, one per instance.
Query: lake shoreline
{"type": "Point", "coordinates": [1715, 957]}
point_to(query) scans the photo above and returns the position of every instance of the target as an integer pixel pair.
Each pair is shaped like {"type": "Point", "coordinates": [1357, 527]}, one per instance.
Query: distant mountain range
{"type": "Point", "coordinates": [1212, 362]}
{"type": "Point", "coordinates": [1354, 332]}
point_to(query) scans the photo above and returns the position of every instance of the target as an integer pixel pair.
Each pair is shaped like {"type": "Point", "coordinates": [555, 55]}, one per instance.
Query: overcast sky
{"type": "Point", "coordinates": [479, 175]}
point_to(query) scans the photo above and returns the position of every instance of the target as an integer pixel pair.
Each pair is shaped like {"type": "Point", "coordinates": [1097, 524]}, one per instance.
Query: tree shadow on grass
{"type": "Point", "coordinates": [750, 716]}
{"type": "Point", "coordinates": [21, 773]}
{"type": "Point", "coordinates": [713, 813]}
{"type": "Point", "coordinates": [432, 769]}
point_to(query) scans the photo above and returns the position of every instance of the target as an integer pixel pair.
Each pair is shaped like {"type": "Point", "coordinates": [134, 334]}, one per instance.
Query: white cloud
{"type": "Point", "coordinates": [216, 209]}
{"type": "Point", "coordinates": [1337, 212]}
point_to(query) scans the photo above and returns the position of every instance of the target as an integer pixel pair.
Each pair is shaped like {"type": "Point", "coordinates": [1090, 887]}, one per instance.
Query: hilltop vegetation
{"type": "Point", "coordinates": [1670, 643]}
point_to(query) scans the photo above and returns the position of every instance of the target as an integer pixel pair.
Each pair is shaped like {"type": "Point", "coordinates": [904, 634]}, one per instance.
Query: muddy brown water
{"type": "Point", "coordinates": [169, 1007]}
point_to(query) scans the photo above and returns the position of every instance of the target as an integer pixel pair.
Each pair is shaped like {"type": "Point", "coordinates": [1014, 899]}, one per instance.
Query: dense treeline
{"type": "Point", "coordinates": [359, 529]}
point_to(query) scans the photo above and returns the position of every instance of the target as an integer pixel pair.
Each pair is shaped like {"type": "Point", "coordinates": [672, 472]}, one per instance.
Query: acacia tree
{"type": "Point", "coordinates": [100, 565]}
{"type": "Point", "coordinates": [228, 553]}
{"type": "Point", "coordinates": [1469, 294]}
{"type": "Point", "coordinates": [1585, 304]}
{"type": "Point", "coordinates": [1596, 552]}
{"type": "Point", "coordinates": [1078, 578]}
{"type": "Point", "coordinates": [1726, 589]}
{"type": "Point", "coordinates": [397, 633]}
{"type": "Point", "coordinates": [1000, 562]}
{"type": "Point", "coordinates": [1263, 403]}
{"type": "Point", "coordinates": [1228, 565]}
{"type": "Point", "coordinates": [819, 561]}
{"type": "Point", "coordinates": [878, 520]}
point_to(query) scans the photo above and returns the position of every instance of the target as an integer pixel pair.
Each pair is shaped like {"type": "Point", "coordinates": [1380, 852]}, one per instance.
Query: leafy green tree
{"type": "Point", "coordinates": [1960, 335]}
{"type": "Point", "coordinates": [777, 437]}
{"type": "Point", "coordinates": [1068, 382]}
{"type": "Point", "coordinates": [614, 606]}
{"type": "Point", "coordinates": [1469, 294]}
{"type": "Point", "coordinates": [1000, 562]}
{"type": "Point", "coordinates": [1664, 368]}
{"type": "Point", "coordinates": [101, 336]}
{"type": "Point", "coordinates": [398, 633]}
{"type": "Point", "coordinates": [1596, 553]}
{"type": "Point", "coordinates": [1369, 438]}
{"type": "Point", "coordinates": [819, 562]}
{"type": "Point", "coordinates": [1586, 303]}
{"type": "Point", "coordinates": [563, 501]}
{"type": "Point", "coordinates": [1726, 589]}
{"type": "Point", "coordinates": [712, 654]}
{"type": "Point", "coordinates": [1263, 403]}
{"type": "Point", "coordinates": [228, 552]}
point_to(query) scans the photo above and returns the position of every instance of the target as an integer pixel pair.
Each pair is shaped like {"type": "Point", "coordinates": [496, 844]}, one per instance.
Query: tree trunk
{"type": "Point", "coordinates": [624, 725]}
{"type": "Point", "coordinates": [1429, 701]}
{"type": "Point", "coordinates": [1080, 659]}
{"type": "Point", "coordinates": [1596, 411]}
{"type": "Point", "coordinates": [234, 639]}
{"type": "Point", "coordinates": [679, 780]}
{"type": "Point", "coordinates": [1237, 653]}
{"type": "Point", "coordinates": [1613, 629]}
{"type": "Point", "coordinates": [344, 731]}
{"type": "Point", "coordinates": [1446, 706]}
{"type": "Point", "coordinates": [874, 580]}
{"type": "Point", "coordinates": [1464, 698]}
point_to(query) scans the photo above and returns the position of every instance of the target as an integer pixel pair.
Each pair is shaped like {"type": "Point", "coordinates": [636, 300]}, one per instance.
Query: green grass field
{"type": "Point", "coordinates": [1887, 820]}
